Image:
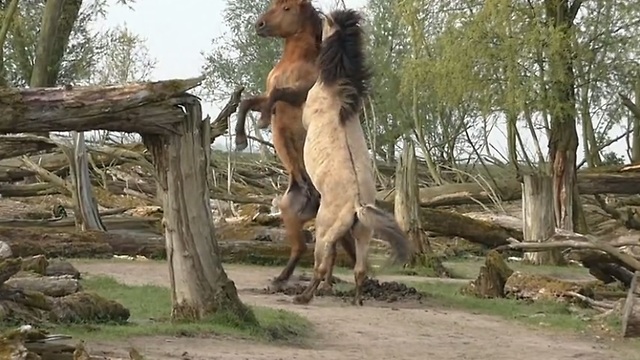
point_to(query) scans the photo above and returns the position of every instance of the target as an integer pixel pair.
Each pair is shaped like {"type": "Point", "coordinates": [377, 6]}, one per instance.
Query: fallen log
{"type": "Point", "coordinates": [58, 267]}
{"type": "Point", "coordinates": [589, 183]}
{"type": "Point", "coordinates": [18, 145]}
{"type": "Point", "coordinates": [147, 107]}
{"type": "Point", "coordinates": [524, 286]}
{"type": "Point", "coordinates": [113, 223]}
{"type": "Point", "coordinates": [48, 285]}
{"type": "Point", "coordinates": [563, 239]}
{"type": "Point", "coordinates": [88, 244]}
{"type": "Point", "coordinates": [449, 223]}
{"type": "Point", "coordinates": [631, 310]}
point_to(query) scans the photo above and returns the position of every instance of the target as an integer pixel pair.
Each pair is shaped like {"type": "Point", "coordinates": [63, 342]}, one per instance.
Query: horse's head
{"type": "Point", "coordinates": [285, 18]}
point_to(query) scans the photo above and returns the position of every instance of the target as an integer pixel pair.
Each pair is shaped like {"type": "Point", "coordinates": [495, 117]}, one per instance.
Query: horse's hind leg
{"type": "Point", "coordinates": [330, 227]}
{"type": "Point", "coordinates": [294, 234]}
{"type": "Point", "coordinates": [348, 244]}
{"type": "Point", "coordinates": [362, 237]}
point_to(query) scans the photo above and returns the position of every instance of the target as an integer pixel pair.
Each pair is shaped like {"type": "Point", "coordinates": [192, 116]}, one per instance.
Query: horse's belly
{"type": "Point", "coordinates": [328, 164]}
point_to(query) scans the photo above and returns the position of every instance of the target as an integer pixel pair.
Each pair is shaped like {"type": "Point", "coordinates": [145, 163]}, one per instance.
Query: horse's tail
{"type": "Point", "coordinates": [386, 227]}
{"type": "Point", "coordinates": [342, 60]}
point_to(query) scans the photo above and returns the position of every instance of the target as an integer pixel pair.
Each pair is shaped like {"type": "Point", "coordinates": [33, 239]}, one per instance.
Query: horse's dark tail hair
{"type": "Point", "coordinates": [342, 61]}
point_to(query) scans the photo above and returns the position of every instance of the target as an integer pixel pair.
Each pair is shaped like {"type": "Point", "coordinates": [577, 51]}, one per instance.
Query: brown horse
{"type": "Point", "coordinates": [336, 154]}
{"type": "Point", "coordinates": [300, 24]}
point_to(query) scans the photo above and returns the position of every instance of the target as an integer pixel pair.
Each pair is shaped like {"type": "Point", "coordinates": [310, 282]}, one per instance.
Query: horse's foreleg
{"type": "Point", "coordinates": [246, 105]}
{"type": "Point", "coordinates": [294, 96]}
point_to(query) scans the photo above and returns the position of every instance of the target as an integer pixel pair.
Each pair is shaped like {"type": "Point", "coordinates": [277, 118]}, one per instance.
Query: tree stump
{"type": "Point", "coordinates": [407, 212]}
{"type": "Point", "coordinates": [631, 310]}
{"type": "Point", "coordinates": [538, 217]}
{"type": "Point", "coordinates": [491, 279]}
{"type": "Point", "coordinates": [200, 286]}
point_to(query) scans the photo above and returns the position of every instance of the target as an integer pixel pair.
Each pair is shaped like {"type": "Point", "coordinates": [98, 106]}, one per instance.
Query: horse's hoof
{"type": "Point", "coordinates": [241, 146]}
{"type": "Point", "coordinates": [357, 301]}
{"type": "Point", "coordinates": [301, 299]}
{"type": "Point", "coordinates": [277, 286]}
{"type": "Point", "coordinates": [241, 142]}
{"type": "Point", "coordinates": [325, 289]}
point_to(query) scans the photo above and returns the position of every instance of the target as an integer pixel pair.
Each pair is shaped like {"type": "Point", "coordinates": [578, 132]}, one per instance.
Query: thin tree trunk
{"type": "Point", "coordinates": [407, 211]}
{"type": "Point", "coordinates": [635, 144]}
{"type": "Point", "coordinates": [86, 207]}
{"type": "Point", "coordinates": [563, 142]}
{"type": "Point", "coordinates": [6, 24]}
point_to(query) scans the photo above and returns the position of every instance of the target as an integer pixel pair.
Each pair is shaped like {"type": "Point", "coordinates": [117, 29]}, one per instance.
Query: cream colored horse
{"type": "Point", "coordinates": [336, 154]}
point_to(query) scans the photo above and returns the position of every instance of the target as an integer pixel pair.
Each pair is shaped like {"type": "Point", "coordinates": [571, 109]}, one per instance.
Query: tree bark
{"type": "Point", "coordinates": [406, 205]}
{"type": "Point", "coordinates": [8, 16]}
{"type": "Point", "coordinates": [537, 214]}
{"type": "Point", "coordinates": [631, 310]}
{"type": "Point", "coordinates": [407, 211]}
{"type": "Point", "coordinates": [86, 214]}
{"type": "Point", "coordinates": [44, 49]}
{"type": "Point", "coordinates": [635, 158]}
{"type": "Point", "coordinates": [199, 284]}
{"type": "Point", "coordinates": [68, 18]}
{"type": "Point", "coordinates": [145, 108]}
{"type": "Point", "coordinates": [563, 142]}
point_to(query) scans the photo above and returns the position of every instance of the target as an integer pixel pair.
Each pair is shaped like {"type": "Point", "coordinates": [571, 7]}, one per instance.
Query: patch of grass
{"type": "Point", "coordinates": [551, 314]}
{"type": "Point", "coordinates": [150, 308]}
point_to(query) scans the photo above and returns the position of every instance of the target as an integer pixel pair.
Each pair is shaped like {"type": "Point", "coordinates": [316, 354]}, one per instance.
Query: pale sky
{"type": "Point", "coordinates": [176, 36]}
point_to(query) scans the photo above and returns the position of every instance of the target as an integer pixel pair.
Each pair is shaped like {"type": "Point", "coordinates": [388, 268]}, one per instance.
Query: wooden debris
{"type": "Point", "coordinates": [491, 279]}
{"type": "Point", "coordinates": [55, 286]}
{"type": "Point", "coordinates": [541, 287]}
{"type": "Point", "coordinates": [631, 310]}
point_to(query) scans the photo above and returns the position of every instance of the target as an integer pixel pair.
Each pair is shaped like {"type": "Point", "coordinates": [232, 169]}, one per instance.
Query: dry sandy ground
{"type": "Point", "coordinates": [369, 332]}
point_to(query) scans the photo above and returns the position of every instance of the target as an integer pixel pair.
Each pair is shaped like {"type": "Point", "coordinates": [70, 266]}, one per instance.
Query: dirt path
{"type": "Point", "coordinates": [346, 332]}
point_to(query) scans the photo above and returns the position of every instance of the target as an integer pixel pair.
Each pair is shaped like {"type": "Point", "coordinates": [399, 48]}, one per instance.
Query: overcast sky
{"type": "Point", "coordinates": [193, 25]}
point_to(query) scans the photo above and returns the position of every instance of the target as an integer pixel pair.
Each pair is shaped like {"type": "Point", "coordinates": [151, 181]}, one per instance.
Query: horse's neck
{"type": "Point", "coordinates": [300, 47]}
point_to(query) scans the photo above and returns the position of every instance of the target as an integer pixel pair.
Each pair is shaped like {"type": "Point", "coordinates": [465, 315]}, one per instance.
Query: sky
{"type": "Point", "coordinates": [178, 47]}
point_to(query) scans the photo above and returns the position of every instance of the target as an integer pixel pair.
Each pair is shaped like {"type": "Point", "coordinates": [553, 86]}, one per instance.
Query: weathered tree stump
{"type": "Point", "coordinates": [491, 279]}
{"type": "Point", "coordinates": [407, 212]}
{"type": "Point", "coordinates": [199, 284]}
{"type": "Point", "coordinates": [631, 310]}
{"type": "Point", "coordinates": [538, 217]}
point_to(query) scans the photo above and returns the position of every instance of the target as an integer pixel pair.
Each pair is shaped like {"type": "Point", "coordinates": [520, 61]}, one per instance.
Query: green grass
{"type": "Point", "coordinates": [150, 308]}
{"type": "Point", "coordinates": [542, 313]}
{"type": "Point", "coordinates": [469, 268]}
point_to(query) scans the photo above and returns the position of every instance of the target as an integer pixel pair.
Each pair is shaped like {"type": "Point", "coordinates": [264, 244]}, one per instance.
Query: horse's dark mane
{"type": "Point", "coordinates": [342, 61]}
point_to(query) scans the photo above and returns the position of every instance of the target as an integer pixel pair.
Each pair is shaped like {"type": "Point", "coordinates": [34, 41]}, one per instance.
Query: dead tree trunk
{"type": "Point", "coordinates": [407, 211]}
{"type": "Point", "coordinates": [86, 208]}
{"type": "Point", "coordinates": [631, 310]}
{"type": "Point", "coordinates": [538, 217]}
{"type": "Point", "coordinates": [199, 284]}
{"type": "Point", "coordinates": [563, 140]}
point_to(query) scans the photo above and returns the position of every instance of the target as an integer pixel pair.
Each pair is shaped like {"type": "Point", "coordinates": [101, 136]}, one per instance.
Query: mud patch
{"type": "Point", "coordinates": [390, 291]}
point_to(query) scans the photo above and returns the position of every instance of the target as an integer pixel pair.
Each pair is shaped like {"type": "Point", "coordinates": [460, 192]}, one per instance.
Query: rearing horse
{"type": "Point", "coordinates": [300, 24]}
